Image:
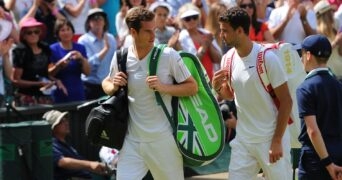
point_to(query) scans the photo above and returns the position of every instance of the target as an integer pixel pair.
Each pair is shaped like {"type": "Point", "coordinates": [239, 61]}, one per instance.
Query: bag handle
{"type": "Point", "coordinates": [153, 64]}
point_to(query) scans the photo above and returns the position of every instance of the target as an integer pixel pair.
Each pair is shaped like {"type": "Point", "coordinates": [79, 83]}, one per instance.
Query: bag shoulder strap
{"type": "Point", "coordinates": [229, 63]}
{"type": "Point", "coordinates": [121, 57]}
{"type": "Point", "coordinates": [262, 73]}
{"type": "Point", "coordinates": [153, 64]}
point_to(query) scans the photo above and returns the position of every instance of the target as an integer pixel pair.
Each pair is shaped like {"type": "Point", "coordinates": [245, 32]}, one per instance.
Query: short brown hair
{"type": "Point", "coordinates": [59, 24]}
{"type": "Point", "coordinates": [136, 15]}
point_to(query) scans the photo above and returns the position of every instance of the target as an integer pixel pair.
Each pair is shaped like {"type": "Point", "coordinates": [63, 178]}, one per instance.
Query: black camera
{"type": "Point", "coordinates": [225, 110]}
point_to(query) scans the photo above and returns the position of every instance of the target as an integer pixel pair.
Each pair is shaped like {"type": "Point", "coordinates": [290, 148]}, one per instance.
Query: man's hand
{"type": "Point", "coordinates": [219, 78]}
{"type": "Point", "coordinates": [276, 151]}
{"type": "Point", "coordinates": [335, 171]}
{"type": "Point", "coordinates": [292, 10]}
{"type": "Point", "coordinates": [120, 79]}
{"type": "Point", "coordinates": [5, 46]}
{"type": "Point", "coordinates": [98, 167]}
{"type": "Point", "coordinates": [154, 83]}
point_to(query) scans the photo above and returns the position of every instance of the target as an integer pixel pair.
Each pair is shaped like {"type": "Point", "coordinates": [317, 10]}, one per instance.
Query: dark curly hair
{"type": "Point", "coordinates": [236, 17]}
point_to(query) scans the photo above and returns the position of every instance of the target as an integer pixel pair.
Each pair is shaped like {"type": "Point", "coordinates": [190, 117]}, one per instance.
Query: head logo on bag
{"type": "Point", "coordinates": [196, 120]}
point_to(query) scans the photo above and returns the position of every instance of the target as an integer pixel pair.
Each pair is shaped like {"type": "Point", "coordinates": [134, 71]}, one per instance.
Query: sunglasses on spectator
{"type": "Point", "coordinates": [36, 32]}
{"type": "Point", "coordinates": [244, 6]}
{"type": "Point", "coordinates": [188, 19]}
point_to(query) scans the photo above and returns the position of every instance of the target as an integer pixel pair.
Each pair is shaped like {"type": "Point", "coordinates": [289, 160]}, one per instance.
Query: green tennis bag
{"type": "Point", "coordinates": [196, 120]}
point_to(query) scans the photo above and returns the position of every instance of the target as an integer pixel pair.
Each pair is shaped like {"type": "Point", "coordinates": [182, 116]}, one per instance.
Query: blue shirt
{"type": "Point", "coordinates": [60, 150]}
{"type": "Point", "coordinates": [70, 75]}
{"type": "Point", "coordinates": [99, 68]}
{"type": "Point", "coordinates": [321, 95]}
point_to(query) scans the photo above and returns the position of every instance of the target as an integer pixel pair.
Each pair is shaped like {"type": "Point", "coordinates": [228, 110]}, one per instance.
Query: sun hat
{"type": "Point", "coordinates": [5, 29]}
{"type": "Point", "coordinates": [321, 7]}
{"type": "Point", "coordinates": [54, 117]}
{"type": "Point", "coordinates": [189, 12]}
{"type": "Point", "coordinates": [31, 22]}
{"type": "Point", "coordinates": [96, 11]}
{"type": "Point", "coordinates": [318, 45]}
{"type": "Point", "coordinates": [156, 4]}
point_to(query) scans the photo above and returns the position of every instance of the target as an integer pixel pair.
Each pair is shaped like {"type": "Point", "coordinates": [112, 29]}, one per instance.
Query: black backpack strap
{"type": "Point", "coordinates": [121, 57]}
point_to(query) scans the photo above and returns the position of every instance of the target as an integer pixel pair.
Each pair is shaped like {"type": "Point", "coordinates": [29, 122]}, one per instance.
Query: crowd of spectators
{"type": "Point", "coordinates": [59, 51]}
{"type": "Point", "coordinates": [62, 48]}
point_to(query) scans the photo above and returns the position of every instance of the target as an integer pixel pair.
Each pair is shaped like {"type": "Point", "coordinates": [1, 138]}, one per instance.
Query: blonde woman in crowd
{"type": "Point", "coordinates": [197, 40]}
{"type": "Point", "coordinates": [212, 25]}
{"type": "Point", "coordinates": [326, 26]}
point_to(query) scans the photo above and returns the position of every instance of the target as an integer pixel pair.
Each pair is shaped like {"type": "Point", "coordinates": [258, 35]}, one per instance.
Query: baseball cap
{"type": "Point", "coordinates": [318, 45]}
{"type": "Point", "coordinates": [96, 11]}
{"type": "Point", "coordinates": [54, 117]}
{"type": "Point", "coordinates": [321, 7]}
{"type": "Point", "coordinates": [188, 13]}
{"type": "Point", "coordinates": [5, 29]}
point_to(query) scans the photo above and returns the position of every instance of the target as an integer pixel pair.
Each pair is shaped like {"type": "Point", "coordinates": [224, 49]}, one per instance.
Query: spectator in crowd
{"type": "Point", "coordinates": [320, 109]}
{"type": "Point", "coordinates": [202, 5]}
{"type": "Point", "coordinates": [212, 25]}
{"type": "Point", "coordinates": [121, 27]}
{"type": "Point", "coordinates": [76, 12]}
{"type": "Point", "coordinates": [164, 34]}
{"type": "Point", "coordinates": [262, 140]}
{"type": "Point", "coordinates": [67, 162]}
{"type": "Point", "coordinates": [292, 22]}
{"type": "Point", "coordinates": [68, 62]}
{"type": "Point", "coordinates": [258, 31]}
{"type": "Point", "coordinates": [30, 65]}
{"type": "Point", "coordinates": [149, 143]}
{"type": "Point", "coordinates": [100, 47]}
{"type": "Point", "coordinates": [325, 20]}
{"type": "Point", "coordinates": [197, 41]}
{"type": "Point", "coordinates": [46, 12]}
{"type": "Point", "coordinates": [326, 27]}
{"type": "Point", "coordinates": [5, 65]}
